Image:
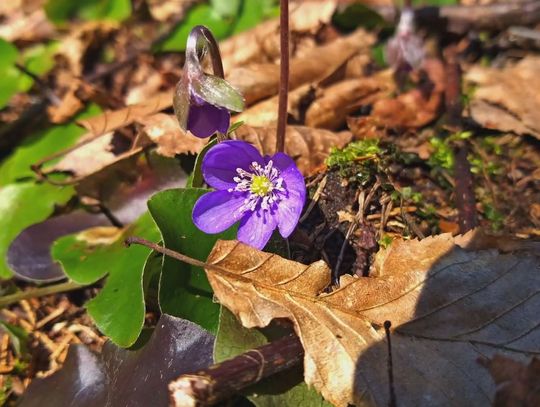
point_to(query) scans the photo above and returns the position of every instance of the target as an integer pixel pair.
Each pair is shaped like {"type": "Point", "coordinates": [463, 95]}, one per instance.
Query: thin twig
{"type": "Point", "coordinates": [283, 76]}
{"type": "Point", "coordinates": [38, 292]}
{"type": "Point", "coordinates": [392, 402]}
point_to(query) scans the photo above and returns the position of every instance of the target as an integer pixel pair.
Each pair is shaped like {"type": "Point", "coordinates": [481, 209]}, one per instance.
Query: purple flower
{"type": "Point", "coordinates": [203, 102]}
{"type": "Point", "coordinates": [261, 192]}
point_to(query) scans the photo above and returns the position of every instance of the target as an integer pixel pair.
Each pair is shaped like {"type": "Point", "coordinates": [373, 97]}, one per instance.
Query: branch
{"type": "Point", "coordinates": [461, 19]}
{"type": "Point", "coordinates": [223, 380]}
{"type": "Point", "coordinates": [38, 292]}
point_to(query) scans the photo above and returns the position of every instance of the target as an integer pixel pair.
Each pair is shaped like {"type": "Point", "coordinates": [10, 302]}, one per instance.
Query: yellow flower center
{"type": "Point", "coordinates": [261, 185]}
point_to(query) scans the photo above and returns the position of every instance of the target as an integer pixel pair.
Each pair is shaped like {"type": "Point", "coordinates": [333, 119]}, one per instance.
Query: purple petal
{"type": "Point", "coordinates": [220, 163]}
{"type": "Point", "coordinates": [205, 119]}
{"type": "Point", "coordinates": [256, 228]}
{"type": "Point", "coordinates": [216, 211]}
{"type": "Point", "coordinates": [289, 208]}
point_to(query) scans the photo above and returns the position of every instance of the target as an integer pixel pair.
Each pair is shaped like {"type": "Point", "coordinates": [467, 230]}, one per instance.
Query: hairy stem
{"type": "Point", "coordinates": [284, 75]}
{"type": "Point", "coordinates": [38, 292]}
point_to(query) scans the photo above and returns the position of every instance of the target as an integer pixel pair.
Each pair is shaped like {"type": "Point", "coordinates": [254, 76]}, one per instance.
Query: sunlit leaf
{"type": "Point", "coordinates": [22, 205]}
{"type": "Point", "coordinates": [39, 146]}
{"type": "Point", "coordinates": [118, 309]}
{"type": "Point", "coordinates": [184, 289]}
{"type": "Point", "coordinates": [201, 14]}
{"type": "Point", "coordinates": [59, 11]}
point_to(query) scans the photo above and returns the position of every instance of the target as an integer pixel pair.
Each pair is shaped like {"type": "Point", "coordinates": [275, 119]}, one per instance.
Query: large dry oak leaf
{"type": "Point", "coordinates": [448, 306]}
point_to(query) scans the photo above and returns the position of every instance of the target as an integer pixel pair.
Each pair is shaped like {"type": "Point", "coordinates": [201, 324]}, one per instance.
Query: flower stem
{"type": "Point", "coordinates": [38, 292]}
{"type": "Point", "coordinates": [284, 75]}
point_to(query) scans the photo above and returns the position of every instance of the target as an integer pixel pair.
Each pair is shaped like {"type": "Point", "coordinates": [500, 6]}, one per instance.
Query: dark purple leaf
{"type": "Point", "coordinates": [120, 377]}
{"type": "Point", "coordinates": [29, 254]}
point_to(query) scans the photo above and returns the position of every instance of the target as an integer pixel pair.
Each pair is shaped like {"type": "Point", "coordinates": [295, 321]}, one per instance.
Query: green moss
{"type": "Point", "coordinates": [357, 161]}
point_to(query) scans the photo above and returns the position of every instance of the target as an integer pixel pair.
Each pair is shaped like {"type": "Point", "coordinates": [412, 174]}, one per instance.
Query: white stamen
{"type": "Point", "coordinates": [244, 183]}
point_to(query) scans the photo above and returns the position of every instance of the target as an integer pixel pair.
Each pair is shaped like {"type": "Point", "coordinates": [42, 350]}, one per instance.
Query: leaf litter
{"type": "Point", "coordinates": [366, 197]}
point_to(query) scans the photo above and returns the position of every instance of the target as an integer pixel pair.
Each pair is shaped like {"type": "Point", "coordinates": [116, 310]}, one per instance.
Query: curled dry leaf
{"type": "Point", "coordinates": [507, 99]}
{"type": "Point", "coordinates": [112, 120]}
{"type": "Point", "coordinates": [163, 130]}
{"type": "Point", "coordinates": [330, 110]}
{"type": "Point", "coordinates": [261, 44]}
{"type": "Point", "coordinates": [309, 147]}
{"type": "Point", "coordinates": [517, 383]}
{"type": "Point", "coordinates": [265, 113]}
{"type": "Point", "coordinates": [447, 306]}
{"type": "Point", "coordinates": [260, 81]}
{"type": "Point", "coordinates": [417, 107]}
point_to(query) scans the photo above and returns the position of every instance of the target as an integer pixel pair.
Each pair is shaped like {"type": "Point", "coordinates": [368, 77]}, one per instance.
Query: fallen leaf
{"type": "Point", "coordinates": [506, 99]}
{"type": "Point", "coordinates": [417, 107]}
{"type": "Point", "coordinates": [517, 383]}
{"type": "Point", "coordinates": [115, 119]}
{"type": "Point", "coordinates": [166, 10]}
{"type": "Point", "coordinates": [330, 110]}
{"type": "Point", "coordinates": [260, 81]}
{"type": "Point", "coordinates": [261, 44]}
{"type": "Point", "coordinates": [309, 147]}
{"type": "Point", "coordinates": [447, 306]}
{"type": "Point", "coordinates": [29, 24]}
{"type": "Point", "coordinates": [170, 139]}
{"type": "Point", "coordinates": [117, 376]}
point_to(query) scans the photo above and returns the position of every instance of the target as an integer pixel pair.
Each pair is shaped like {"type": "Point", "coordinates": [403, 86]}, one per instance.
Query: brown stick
{"type": "Point", "coordinates": [223, 380]}
{"type": "Point", "coordinates": [283, 75]}
{"type": "Point", "coordinates": [464, 195]}
{"type": "Point", "coordinates": [461, 19]}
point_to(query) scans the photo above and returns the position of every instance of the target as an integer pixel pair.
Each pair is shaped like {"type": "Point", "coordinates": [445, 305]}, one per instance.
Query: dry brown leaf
{"type": "Point", "coordinates": [164, 10]}
{"type": "Point", "coordinates": [170, 139]}
{"type": "Point", "coordinates": [309, 147]}
{"type": "Point", "coordinates": [518, 384]}
{"type": "Point", "coordinates": [447, 306]}
{"type": "Point", "coordinates": [265, 113]}
{"type": "Point", "coordinates": [507, 99]}
{"type": "Point", "coordinates": [114, 119]}
{"type": "Point", "coordinates": [330, 110]}
{"type": "Point", "coordinates": [417, 107]}
{"type": "Point", "coordinates": [261, 44]}
{"type": "Point", "coordinates": [260, 81]}
{"type": "Point", "coordinates": [22, 24]}
{"type": "Point", "coordinates": [88, 159]}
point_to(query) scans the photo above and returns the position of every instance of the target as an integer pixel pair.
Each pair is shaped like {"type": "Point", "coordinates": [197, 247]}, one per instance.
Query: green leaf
{"type": "Point", "coordinates": [284, 389]}
{"type": "Point", "coordinates": [184, 289]}
{"type": "Point", "coordinates": [18, 337]}
{"type": "Point", "coordinates": [196, 179]}
{"type": "Point", "coordinates": [226, 8]}
{"type": "Point", "coordinates": [218, 92]}
{"type": "Point", "coordinates": [201, 14]}
{"type": "Point", "coordinates": [118, 310]}
{"type": "Point", "coordinates": [39, 146]}
{"type": "Point", "coordinates": [252, 12]}
{"type": "Point", "coordinates": [60, 11]}
{"type": "Point", "coordinates": [358, 15]}
{"type": "Point", "coordinates": [22, 205]}
{"type": "Point", "coordinates": [9, 75]}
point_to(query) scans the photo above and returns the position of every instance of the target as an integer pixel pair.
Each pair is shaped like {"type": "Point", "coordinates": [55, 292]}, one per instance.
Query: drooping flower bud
{"type": "Point", "coordinates": [405, 50]}
{"type": "Point", "coordinates": [203, 102]}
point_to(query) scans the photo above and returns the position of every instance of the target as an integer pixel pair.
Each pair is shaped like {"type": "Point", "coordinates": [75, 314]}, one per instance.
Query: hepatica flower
{"type": "Point", "coordinates": [203, 102]}
{"type": "Point", "coordinates": [263, 193]}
